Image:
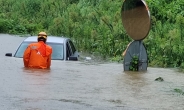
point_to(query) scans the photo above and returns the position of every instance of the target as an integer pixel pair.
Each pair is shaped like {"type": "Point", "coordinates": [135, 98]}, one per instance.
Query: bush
{"type": "Point", "coordinates": [5, 26]}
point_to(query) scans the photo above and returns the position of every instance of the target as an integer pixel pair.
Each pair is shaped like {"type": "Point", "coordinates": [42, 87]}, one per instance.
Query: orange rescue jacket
{"type": "Point", "coordinates": [37, 55]}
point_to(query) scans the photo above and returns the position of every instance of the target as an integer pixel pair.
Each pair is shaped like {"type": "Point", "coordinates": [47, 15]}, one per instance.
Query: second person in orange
{"type": "Point", "coordinates": [38, 55]}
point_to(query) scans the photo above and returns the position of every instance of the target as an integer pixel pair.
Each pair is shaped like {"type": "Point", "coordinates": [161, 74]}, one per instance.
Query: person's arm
{"type": "Point", "coordinates": [49, 58]}
{"type": "Point", "coordinates": [49, 61]}
{"type": "Point", "coordinates": [26, 56]}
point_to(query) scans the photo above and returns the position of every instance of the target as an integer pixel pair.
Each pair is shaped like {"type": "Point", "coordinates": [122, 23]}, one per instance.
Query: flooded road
{"type": "Point", "coordinates": [82, 85]}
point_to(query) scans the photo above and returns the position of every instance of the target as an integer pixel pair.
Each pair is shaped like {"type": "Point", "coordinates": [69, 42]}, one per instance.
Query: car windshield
{"type": "Point", "coordinates": [57, 50]}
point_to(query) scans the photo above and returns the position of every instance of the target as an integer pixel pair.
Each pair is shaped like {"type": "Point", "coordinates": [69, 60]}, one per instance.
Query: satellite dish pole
{"type": "Point", "coordinates": [136, 21]}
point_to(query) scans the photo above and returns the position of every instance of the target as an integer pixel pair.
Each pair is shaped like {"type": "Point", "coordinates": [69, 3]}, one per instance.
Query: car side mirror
{"type": "Point", "coordinates": [73, 58]}
{"type": "Point", "coordinates": [8, 54]}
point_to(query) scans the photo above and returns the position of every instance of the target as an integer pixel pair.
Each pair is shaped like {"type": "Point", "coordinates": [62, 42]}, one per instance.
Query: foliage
{"type": "Point", "coordinates": [164, 44]}
{"type": "Point", "coordinates": [179, 91]}
{"type": "Point", "coordinates": [134, 64]}
{"type": "Point", "coordinates": [95, 26]}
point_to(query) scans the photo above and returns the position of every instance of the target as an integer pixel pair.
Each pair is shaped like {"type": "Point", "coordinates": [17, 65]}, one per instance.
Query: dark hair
{"type": "Point", "coordinates": [42, 39]}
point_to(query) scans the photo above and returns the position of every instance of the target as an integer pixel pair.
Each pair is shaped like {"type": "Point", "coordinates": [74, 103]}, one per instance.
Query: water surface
{"type": "Point", "coordinates": [83, 85]}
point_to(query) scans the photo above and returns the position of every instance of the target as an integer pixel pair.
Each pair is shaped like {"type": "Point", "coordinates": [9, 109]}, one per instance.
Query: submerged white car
{"type": "Point", "coordinates": [63, 48]}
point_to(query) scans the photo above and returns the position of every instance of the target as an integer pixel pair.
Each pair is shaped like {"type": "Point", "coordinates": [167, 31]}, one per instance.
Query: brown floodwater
{"type": "Point", "coordinates": [82, 85]}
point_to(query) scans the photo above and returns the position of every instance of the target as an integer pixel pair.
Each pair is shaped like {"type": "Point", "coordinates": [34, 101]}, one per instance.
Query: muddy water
{"type": "Point", "coordinates": [83, 85]}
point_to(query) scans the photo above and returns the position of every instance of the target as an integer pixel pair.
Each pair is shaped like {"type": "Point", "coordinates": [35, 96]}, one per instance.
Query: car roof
{"type": "Point", "coordinates": [54, 39]}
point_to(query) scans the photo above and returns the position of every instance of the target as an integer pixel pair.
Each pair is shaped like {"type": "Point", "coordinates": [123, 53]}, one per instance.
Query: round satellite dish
{"type": "Point", "coordinates": [136, 18]}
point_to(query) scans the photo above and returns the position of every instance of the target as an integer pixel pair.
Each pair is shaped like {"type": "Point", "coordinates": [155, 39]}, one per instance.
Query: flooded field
{"type": "Point", "coordinates": [83, 85]}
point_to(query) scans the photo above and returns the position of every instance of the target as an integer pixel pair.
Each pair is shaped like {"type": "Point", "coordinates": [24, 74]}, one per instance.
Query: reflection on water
{"type": "Point", "coordinates": [83, 86]}
{"type": "Point", "coordinates": [39, 71]}
{"type": "Point", "coordinates": [135, 80]}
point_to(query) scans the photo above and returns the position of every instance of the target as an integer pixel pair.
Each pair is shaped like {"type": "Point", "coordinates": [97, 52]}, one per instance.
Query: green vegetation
{"type": "Point", "coordinates": [96, 27]}
{"type": "Point", "coordinates": [165, 41]}
{"type": "Point", "coordinates": [134, 64]}
{"type": "Point", "coordinates": [179, 91]}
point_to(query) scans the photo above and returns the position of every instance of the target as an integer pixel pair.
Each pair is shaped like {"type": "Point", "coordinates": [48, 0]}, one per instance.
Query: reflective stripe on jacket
{"type": "Point", "coordinates": [37, 55]}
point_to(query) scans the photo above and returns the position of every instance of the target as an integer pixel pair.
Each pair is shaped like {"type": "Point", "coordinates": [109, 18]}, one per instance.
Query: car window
{"type": "Point", "coordinates": [68, 50]}
{"type": "Point", "coordinates": [57, 50]}
{"type": "Point", "coordinates": [21, 49]}
{"type": "Point", "coordinates": [72, 46]}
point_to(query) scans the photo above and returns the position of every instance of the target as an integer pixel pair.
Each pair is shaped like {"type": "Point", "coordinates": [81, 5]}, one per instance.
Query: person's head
{"type": "Point", "coordinates": [42, 36]}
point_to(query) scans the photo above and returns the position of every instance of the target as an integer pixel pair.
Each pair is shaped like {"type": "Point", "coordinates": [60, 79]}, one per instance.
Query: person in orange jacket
{"type": "Point", "coordinates": [38, 55]}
